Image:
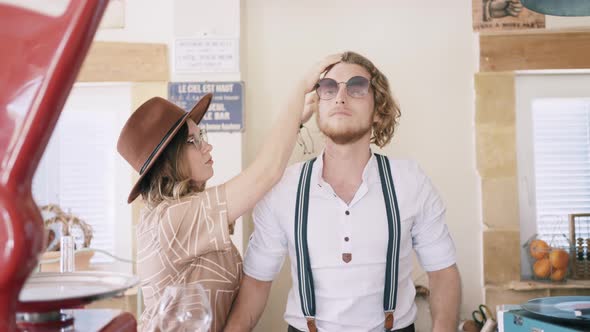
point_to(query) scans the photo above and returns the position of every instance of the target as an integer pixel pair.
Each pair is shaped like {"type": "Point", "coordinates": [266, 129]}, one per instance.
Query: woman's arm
{"type": "Point", "coordinates": [248, 187]}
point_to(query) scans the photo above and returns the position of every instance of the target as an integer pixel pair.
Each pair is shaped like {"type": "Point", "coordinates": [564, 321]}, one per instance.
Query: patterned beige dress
{"type": "Point", "coordinates": [188, 241]}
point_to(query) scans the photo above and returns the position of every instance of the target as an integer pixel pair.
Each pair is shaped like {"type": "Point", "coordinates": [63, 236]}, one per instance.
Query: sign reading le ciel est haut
{"type": "Point", "coordinates": [226, 109]}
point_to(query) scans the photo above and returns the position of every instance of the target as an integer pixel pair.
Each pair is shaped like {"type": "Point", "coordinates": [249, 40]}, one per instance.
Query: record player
{"type": "Point", "coordinates": [43, 46]}
{"type": "Point", "coordinates": [549, 314]}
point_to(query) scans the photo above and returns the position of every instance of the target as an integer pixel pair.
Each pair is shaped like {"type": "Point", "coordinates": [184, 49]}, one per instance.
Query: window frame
{"type": "Point", "coordinates": [531, 85]}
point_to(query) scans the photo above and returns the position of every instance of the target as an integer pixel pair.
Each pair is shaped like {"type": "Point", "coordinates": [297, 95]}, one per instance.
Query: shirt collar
{"type": "Point", "coordinates": [370, 170]}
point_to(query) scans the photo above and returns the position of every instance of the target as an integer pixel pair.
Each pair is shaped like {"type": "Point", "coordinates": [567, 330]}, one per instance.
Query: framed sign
{"type": "Point", "coordinates": [502, 15]}
{"type": "Point", "coordinates": [206, 55]}
{"type": "Point", "coordinates": [226, 112]}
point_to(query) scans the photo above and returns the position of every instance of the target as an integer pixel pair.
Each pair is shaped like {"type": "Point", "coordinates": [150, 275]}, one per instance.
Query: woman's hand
{"type": "Point", "coordinates": [309, 82]}
{"type": "Point", "coordinates": [313, 75]}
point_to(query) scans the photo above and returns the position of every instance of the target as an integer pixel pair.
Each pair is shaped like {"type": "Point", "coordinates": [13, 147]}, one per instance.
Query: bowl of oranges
{"type": "Point", "coordinates": [550, 261]}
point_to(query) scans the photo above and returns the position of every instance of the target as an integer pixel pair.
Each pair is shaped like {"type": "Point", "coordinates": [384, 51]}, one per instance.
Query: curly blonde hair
{"type": "Point", "coordinates": [387, 110]}
{"type": "Point", "coordinates": [169, 177]}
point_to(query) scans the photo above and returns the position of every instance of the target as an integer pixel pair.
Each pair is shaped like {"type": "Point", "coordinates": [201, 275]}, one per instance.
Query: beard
{"type": "Point", "coordinates": [343, 133]}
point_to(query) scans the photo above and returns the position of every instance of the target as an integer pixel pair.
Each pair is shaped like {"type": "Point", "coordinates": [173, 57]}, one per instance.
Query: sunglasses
{"type": "Point", "coordinates": [198, 141]}
{"type": "Point", "coordinates": [356, 87]}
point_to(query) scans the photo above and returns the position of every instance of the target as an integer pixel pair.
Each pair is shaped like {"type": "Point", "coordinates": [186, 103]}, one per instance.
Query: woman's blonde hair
{"type": "Point", "coordinates": [387, 110]}
{"type": "Point", "coordinates": [169, 178]}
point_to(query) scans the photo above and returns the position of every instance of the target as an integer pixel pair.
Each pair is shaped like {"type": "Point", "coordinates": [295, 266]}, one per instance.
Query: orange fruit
{"type": "Point", "coordinates": [538, 249]}
{"type": "Point", "coordinates": [558, 275]}
{"type": "Point", "coordinates": [559, 258]}
{"type": "Point", "coordinates": [542, 268]}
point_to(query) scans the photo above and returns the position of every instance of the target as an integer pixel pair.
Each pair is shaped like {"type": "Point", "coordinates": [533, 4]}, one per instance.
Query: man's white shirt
{"type": "Point", "coordinates": [349, 296]}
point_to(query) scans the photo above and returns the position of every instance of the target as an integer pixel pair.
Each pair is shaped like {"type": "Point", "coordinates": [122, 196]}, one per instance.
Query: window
{"type": "Point", "coordinates": [553, 153]}
{"type": "Point", "coordinates": [561, 161]}
{"type": "Point", "coordinates": [82, 172]}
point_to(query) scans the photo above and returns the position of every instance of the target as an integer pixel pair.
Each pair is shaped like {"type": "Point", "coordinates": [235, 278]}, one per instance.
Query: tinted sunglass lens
{"type": "Point", "coordinates": [357, 86]}
{"type": "Point", "coordinates": [327, 88]}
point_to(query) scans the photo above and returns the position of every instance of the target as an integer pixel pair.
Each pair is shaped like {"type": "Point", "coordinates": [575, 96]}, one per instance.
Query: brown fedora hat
{"type": "Point", "coordinates": [150, 129]}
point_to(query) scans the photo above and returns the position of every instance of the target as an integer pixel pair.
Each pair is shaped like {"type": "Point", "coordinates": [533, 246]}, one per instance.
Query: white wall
{"type": "Point", "coordinates": [147, 21]}
{"type": "Point", "coordinates": [428, 52]}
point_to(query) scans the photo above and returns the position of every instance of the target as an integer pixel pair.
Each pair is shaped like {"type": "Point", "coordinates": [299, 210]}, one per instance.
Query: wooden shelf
{"type": "Point", "coordinates": [526, 285]}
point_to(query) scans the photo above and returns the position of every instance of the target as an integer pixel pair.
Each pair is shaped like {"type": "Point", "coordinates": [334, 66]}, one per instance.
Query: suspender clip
{"type": "Point", "coordinates": [311, 324]}
{"type": "Point", "coordinates": [389, 320]}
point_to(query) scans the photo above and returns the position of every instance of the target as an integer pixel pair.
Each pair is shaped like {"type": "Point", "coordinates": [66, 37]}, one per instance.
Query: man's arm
{"type": "Point", "coordinates": [249, 305]}
{"type": "Point", "coordinates": [445, 298]}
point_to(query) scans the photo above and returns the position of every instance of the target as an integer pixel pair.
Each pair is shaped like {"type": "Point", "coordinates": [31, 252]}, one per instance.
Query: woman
{"type": "Point", "coordinates": [183, 233]}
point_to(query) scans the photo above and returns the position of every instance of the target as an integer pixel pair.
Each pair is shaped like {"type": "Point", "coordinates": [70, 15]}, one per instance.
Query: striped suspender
{"type": "Point", "coordinates": [393, 220]}
{"type": "Point", "coordinates": [306, 292]}
{"type": "Point", "coordinates": [305, 278]}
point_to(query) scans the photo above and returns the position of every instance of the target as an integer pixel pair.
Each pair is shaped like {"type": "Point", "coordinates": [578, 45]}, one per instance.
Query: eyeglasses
{"type": "Point", "coordinates": [356, 87]}
{"type": "Point", "coordinates": [200, 140]}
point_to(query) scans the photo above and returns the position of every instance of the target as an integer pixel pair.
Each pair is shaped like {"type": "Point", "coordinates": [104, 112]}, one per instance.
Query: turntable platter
{"type": "Point", "coordinates": [565, 308]}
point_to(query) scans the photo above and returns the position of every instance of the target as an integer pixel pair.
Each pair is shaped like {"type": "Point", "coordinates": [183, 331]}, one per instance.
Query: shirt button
{"type": "Point", "coordinates": [346, 239]}
{"type": "Point", "coordinates": [347, 212]}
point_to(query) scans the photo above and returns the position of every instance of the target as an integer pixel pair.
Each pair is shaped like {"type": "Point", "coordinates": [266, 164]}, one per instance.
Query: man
{"type": "Point", "coordinates": [348, 221]}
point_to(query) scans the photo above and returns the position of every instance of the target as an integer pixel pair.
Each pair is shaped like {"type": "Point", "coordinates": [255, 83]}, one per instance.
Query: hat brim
{"type": "Point", "coordinates": [196, 114]}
